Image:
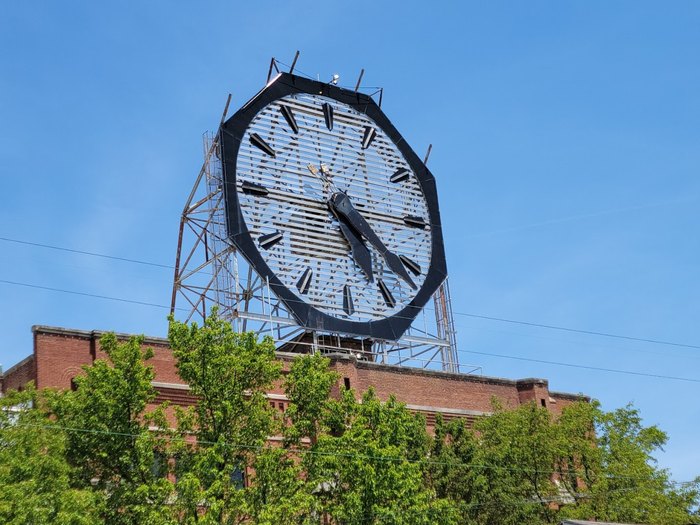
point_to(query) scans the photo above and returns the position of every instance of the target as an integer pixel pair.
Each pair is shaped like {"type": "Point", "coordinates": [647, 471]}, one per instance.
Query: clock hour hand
{"type": "Point", "coordinates": [345, 211]}
{"type": "Point", "coordinates": [360, 253]}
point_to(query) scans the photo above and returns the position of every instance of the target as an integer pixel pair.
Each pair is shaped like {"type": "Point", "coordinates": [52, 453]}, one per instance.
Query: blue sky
{"type": "Point", "coordinates": [566, 149]}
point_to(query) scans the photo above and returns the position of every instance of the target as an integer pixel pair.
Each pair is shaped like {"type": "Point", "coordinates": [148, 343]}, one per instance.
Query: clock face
{"type": "Point", "coordinates": [324, 202]}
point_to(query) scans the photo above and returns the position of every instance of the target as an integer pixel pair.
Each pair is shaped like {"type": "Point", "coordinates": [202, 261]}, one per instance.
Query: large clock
{"type": "Point", "coordinates": [329, 204]}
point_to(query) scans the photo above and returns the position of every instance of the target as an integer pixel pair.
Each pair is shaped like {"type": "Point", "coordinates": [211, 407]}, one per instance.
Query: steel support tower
{"type": "Point", "coordinates": [210, 272]}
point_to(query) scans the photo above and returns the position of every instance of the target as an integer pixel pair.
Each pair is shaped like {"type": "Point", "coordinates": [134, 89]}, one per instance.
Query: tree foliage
{"type": "Point", "coordinates": [35, 475]}
{"type": "Point", "coordinates": [106, 453]}
{"type": "Point", "coordinates": [371, 469]}
{"type": "Point", "coordinates": [230, 374]}
{"type": "Point", "coordinates": [524, 466]}
{"type": "Point", "coordinates": [108, 440]}
{"type": "Point", "coordinates": [364, 460]}
{"type": "Point", "coordinates": [623, 482]}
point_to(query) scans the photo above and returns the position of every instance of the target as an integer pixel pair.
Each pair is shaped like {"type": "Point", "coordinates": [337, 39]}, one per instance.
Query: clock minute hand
{"type": "Point", "coordinates": [343, 208]}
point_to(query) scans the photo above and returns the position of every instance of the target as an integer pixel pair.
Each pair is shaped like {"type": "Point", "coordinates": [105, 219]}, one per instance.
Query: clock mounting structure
{"type": "Point", "coordinates": [313, 221]}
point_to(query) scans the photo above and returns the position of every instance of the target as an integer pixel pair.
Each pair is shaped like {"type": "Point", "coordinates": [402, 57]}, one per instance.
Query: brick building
{"type": "Point", "coordinates": [59, 354]}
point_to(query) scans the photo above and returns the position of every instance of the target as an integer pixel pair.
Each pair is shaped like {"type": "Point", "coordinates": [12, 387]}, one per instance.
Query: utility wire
{"type": "Point", "coordinates": [504, 356]}
{"type": "Point", "coordinates": [84, 294]}
{"type": "Point", "coordinates": [295, 450]}
{"type": "Point", "coordinates": [464, 314]}
{"type": "Point", "coordinates": [578, 331]}
{"type": "Point", "coordinates": [82, 252]}
{"type": "Point", "coordinates": [586, 367]}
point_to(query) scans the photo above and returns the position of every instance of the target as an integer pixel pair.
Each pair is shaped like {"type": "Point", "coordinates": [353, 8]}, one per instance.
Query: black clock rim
{"type": "Point", "coordinates": [231, 134]}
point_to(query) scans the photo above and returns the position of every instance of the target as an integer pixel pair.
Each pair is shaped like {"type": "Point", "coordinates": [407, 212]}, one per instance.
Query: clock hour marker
{"type": "Point", "coordinates": [415, 222]}
{"type": "Point", "coordinates": [289, 117]}
{"type": "Point", "coordinates": [368, 136]}
{"type": "Point", "coordinates": [305, 280]}
{"type": "Point", "coordinates": [386, 294]}
{"type": "Point", "coordinates": [348, 305]}
{"type": "Point", "coordinates": [250, 188]}
{"type": "Point", "coordinates": [328, 115]}
{"type": "Point", "coordinates": [400, 175]}
{"type": "Point", "coordinates": [269, 240]}
{"type": "Point", "coordinates": [257, 141]}
{"type": "Point", "coordinates": [410, 264]}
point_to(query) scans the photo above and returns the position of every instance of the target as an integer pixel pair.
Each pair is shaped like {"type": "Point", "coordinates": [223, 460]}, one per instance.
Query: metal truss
{"type": "Point", "coordinates": [209, 272]}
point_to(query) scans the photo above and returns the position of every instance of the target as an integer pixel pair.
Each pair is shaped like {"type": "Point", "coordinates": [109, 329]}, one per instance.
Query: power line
{"type": "Point", "coordinates": [586, 367]}
{"type": "Point", "coordinates": [601, 213]}
{"type": "Point", "coordinates": [83, 252]}
{"type": "Point", "coordinates": [465, 314]}
{"type": "Point", "coordinates": [325, 453]}
{"type": "Point", "coordinates": [542, 361]}
{"type": "Point", "coordinates": [578, 331]}
{"type": "Point", "coordinates": [84, 294]}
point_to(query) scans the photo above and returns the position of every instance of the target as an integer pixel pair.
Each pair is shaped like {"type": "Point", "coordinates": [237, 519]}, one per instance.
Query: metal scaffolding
{"type": "Point", "coordinates": [209, 272]}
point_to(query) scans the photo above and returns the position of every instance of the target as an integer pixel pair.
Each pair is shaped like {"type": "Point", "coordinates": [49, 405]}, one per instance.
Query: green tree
{"type": "Point", "coordinates": [109, 443]}
{"type": "Point", "coordinates": [622, 481]}
{"type": "Point", "coordinates": [524, 466]}
{"type": "Point", "coordinates": [34, 474]}
{"type": "Point", "coordinates": [579, 458]}
{"type": "Point", "coordinates": [368, 465]}
{"type": "Point", "coordinates": [308, 387]}
{"type": "Point", "coordinates": [514, 461]}
{"type": "Point", "coordinates": [229, 373]}
{"type": "Point", "coordinates": [279, 493]}
{"type": "Point", "coordinates": [450, 468]}
{"type": "Point", "coordinates": [99, 454]}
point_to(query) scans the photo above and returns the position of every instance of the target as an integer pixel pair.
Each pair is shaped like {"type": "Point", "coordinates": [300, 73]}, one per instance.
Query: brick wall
{"type": "Point", "coordinates": [59, 355]}
{"type": "Point", "coordinates": [16, 377]}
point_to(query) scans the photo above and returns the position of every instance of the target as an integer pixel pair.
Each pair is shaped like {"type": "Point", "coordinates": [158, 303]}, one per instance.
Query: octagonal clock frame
{"type": "Point", "coordinates": [238, 133]}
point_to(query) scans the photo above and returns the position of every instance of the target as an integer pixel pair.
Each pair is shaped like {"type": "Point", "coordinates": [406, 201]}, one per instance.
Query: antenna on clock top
{"type": "Point", "coordinates": [335, 78]}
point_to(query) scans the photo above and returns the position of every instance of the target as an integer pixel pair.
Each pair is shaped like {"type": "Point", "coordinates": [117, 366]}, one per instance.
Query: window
{"type": "Point", "coordinates": [238, 478]}
{"type": "Point", "coordinates": [159, 466]}
{"type": "Point", "coordinates": [346, 382]}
